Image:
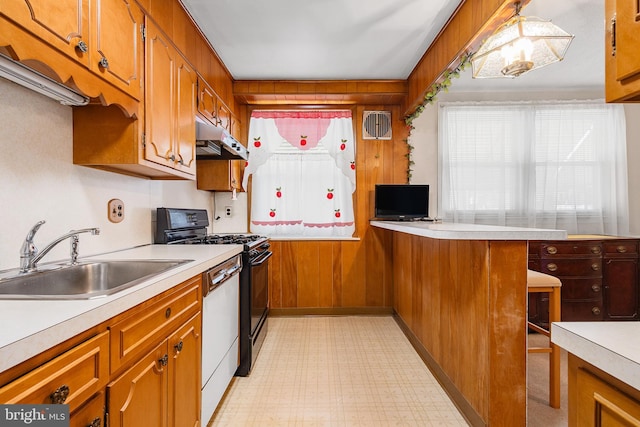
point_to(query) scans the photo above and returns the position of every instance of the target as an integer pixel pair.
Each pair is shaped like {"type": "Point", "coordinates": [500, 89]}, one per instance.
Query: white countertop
{"type": "Point", "coordinates": [32, 326]}
{"type": "Point", "coordinates": [613, 347]}
{"type": "Point", "coordinates": [457, 231]}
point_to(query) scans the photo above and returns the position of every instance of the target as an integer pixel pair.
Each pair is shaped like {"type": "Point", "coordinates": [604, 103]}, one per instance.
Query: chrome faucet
{"type": "Point", "coordinates": [29, 255]}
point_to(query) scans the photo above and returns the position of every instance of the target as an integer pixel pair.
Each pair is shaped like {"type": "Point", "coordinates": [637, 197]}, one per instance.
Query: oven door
{"type": "Point", "coordinates": [259, 289]}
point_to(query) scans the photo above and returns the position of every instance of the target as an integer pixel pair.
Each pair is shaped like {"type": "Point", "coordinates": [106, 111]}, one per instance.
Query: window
{"type": "Point", "coordinates": [560, 165]}
{"type": "Point", "coordinates": [303, 169]}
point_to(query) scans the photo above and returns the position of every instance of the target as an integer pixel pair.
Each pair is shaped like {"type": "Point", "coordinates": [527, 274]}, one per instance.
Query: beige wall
{"type": "Point", "coordinates": [38, 181]}
{"type": "Point", "coordinates": [424, 138]}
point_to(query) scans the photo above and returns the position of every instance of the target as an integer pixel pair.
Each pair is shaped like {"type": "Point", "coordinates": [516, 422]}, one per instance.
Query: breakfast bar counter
{"type": "Point", "coordinates": [460, 295]}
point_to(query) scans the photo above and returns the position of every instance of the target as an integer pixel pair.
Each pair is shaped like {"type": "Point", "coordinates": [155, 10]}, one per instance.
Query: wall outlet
{"type": "Point", "coordinates": [115, 210]}
{"type": "Point", "coordinates": [227, 211]}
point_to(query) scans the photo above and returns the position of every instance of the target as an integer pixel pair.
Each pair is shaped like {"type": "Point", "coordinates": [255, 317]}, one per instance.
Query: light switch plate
{"type": "Point", "coordinates": [115, 210]}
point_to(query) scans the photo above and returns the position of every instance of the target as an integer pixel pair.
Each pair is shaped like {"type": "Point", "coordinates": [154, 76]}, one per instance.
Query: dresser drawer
{"type": "Point", "coordinates": [71, 378]}
{"type": "Point", "coordinates": [146, 325]}
{"type": "Point", "coordinates": [581, 311]}
{"type": "Point", "coordinates": [621, 248]}
{"type": "Point", "coordinates": [572, 267]}
{"type": "Point", "coordinates": [582, 289]}
{"type": "Point", "coordinates": [551, 249]}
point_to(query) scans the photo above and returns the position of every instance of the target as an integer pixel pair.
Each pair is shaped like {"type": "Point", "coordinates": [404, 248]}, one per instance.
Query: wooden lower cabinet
{"type": "Point", "coordinates": [597, 399]}
{"type": "Point", "coordinates": [162, 388]}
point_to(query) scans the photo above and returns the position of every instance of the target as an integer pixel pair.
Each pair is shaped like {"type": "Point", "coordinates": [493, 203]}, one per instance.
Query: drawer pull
{"type": "Point", "coordinates": [595, 288]}
{"type": "Point", "coordinates": [82, 46]}
{"type": "Point", "coordinates": [595, 266]}
{"type": "Point", "coordinates": [60, 395]}
{"type": "Point", "coordinates": [595, 249]}
{"type": "Point", "coordinates": [167, 313]}
{"type": "Point", "coordinates": [621, 249]}
{"type": "Point", "coordinates": [178, 347]}
{"type": "Point", "coordinates": [104, 63]}
{"type": "Point", "coordinates": [552, 250]}
{"type": "Point", "coordinates": [552, 267]}
{"type": "Point", "coordinates": [95, 423]}
{"type": "Point", "coordinates": [595, 311]}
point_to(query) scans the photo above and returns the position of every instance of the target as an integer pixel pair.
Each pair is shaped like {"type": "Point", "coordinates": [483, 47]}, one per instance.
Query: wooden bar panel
{"type": "Point", "coordinates": [464, 305]}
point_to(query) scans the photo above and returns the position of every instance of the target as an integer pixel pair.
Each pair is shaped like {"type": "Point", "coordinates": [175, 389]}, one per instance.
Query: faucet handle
{"type": "Point", "coordinates": [33, 231]}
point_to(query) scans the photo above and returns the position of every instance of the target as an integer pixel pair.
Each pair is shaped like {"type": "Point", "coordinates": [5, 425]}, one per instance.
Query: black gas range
{"type": "Point", "coordinates": [189, 227]}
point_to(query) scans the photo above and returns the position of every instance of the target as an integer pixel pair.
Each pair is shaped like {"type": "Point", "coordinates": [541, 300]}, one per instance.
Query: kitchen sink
{"type": "Point", "coordinates": [86, 280]}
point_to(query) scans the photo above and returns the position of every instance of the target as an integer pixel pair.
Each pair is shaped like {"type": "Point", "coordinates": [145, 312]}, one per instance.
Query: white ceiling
{"type": "Point", "coordinates": [379, 39]}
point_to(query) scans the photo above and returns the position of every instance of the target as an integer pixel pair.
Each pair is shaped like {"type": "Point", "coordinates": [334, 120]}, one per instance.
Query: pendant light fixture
{"type": "Point", "coordinates": [520, 45]}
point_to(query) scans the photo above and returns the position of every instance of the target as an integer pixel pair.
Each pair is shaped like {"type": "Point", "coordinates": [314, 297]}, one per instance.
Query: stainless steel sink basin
{"type": "Point", "coordinates": [86, 280]}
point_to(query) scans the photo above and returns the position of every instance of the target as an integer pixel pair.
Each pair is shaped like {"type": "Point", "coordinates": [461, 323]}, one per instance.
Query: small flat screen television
{"type": "Point", "coordinates": [401, 202]}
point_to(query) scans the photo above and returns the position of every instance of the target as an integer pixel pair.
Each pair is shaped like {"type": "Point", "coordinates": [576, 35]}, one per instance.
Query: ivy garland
{"type": "Point", "coordinates": [430, 98]}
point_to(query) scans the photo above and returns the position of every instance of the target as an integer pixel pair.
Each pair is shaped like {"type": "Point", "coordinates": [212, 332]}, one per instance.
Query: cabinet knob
{"type": "Point", "coordinates": [178, 347]}
{"type": "Point", "coordinates": [552, 250]}
{"type": "Point", "coordinates": [104, 63]}
{"type": "Point", "coordinates": [95, 423]}
{"type": "Point", "coordinates": [82, 46]}
{"type": "Point", "coordinates": [595, 266]}
{"type": "Point", "coordinates": [60, 395]}
{"type": "Point", "coordinates": [595, 249]}
{"type": "Point", "coordinates": [595, 311]}
{"type": "Point", "coordinates": [552, 267]}
{"type": "Point", "coordinates": [621, 249]}
{"type": "Point", "coordinates": [595, 288]}
{"type": "Point", "coordinates": [164, 360]}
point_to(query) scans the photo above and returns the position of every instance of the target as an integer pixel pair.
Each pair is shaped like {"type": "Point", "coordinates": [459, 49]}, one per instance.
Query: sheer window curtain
{"type": "Point", "coordinates": [546, 165]}
{"type": "Point", "coordinates": [303, 169]}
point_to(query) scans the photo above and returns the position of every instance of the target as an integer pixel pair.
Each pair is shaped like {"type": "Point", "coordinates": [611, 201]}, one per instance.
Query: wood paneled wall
{"type": "Point", "coordinates": [338, 276]}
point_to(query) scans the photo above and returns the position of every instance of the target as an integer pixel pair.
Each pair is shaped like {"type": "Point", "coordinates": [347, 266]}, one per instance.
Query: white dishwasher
{"type": "Point", "coordinates": [219, 332]}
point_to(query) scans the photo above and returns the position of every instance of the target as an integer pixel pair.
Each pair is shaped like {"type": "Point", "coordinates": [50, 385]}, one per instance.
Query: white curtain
{"type": "Point", "coordinates": [546, 165]}
{"type": "Point", "coordinates": [303, 168]}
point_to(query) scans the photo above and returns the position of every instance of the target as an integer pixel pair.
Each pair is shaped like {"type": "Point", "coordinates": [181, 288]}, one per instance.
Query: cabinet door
{"type": "Point", "coordinates": [89, 414]}
{"type": "Point", "coordinates": [64, 24]}
{"type": "Point", "coordinates": [116, 50]}
{"type": "Point", "coordinates": [600, 404]}
{"type": "Point", "coordinates": [184, 383]}
{"type": "Point", "coordinates": [159, 97]}
{"type": "Point", "coordinates": [627, 30]}
{"type": "Point", "coordinates": [139, 396]}
{"type": "Point", "coordinates": [185, 142]}
{"type": "Point", "coordinates": [220, 175]}
{"type": "Point", "coordinates": [621, 289]}
{"type": "Point", "coordinates": [224, 116]}
{"type": "Point", "coordinates": [207, 102]}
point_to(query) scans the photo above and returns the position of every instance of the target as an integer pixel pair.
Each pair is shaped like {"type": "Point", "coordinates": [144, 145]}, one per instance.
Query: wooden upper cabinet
{"type": "Point", "coordinates": [64, 24]}
{"type": "Point", "coordinates": [207, 101]}
{"type": "Point", "coordinates": [116, 47]}
{"type": "Point", "coordinates": [170, 101]}
{"type": "Point", "coordinates": [622, 63]}
{"type": "Point", "coordinates": [224, 117]}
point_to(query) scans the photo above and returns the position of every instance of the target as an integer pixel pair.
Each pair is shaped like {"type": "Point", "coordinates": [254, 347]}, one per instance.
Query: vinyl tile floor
{"type": "Point", "coordinates": [337, 371]}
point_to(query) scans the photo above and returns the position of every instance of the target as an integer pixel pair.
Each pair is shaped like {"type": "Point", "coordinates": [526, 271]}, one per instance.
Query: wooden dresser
{"type": "Point", "coordinates": [599, 277]}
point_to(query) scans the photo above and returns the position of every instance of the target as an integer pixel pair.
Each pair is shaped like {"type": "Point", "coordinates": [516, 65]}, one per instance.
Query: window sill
{"type": "Point", "coordinates": [319, 238]}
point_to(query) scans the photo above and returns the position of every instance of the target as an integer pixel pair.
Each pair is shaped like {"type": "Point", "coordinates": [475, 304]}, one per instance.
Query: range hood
{"type": "Point", "coordinates": [215, 143]}
{"type": "Point", "coordinates": [24, 76]}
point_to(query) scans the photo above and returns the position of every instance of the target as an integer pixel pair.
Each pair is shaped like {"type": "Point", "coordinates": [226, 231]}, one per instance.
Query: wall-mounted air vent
{"type": "Point", "coordinates": [376, 125]}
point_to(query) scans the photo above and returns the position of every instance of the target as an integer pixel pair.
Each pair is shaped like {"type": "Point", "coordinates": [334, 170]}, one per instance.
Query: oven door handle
{"type": "Point", "coordinates": [261, 258]}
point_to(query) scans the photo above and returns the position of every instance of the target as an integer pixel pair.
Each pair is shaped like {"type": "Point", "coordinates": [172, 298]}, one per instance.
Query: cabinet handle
{"type": "Point", "coordinates": [595, 288]}
{"type": "Point", "coordinates": [595, 311]}
{"type": "Point", "coordinates": [613, 35]}
{"type": "Point", "coordinates": [552, 267]}
{"type": "Point", "coordinates": [552, 250]}
{"type": "Point", "coordinates": [60, 395]}
{"type": "Point", "coordinates": [178, 347]}
{"type": "Point", "coordinates": [95, 423]}
{"type": "Point", "coordinates": [595, 249]}
{"type": "Point", "coordinates": [621, 249]}
{"type": "Point", "coordinates": [167, 312]}
{"type": "Point", "coordinates": [595, 266]}
{"type": "Point", "coordinates": [172, 158]}
{"type": "Point", "coordinates": [164, 360]}
{"type": "Point", "coordinates": [104, 63]}
{"type": "Point", "coordinates": [82, 46]}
